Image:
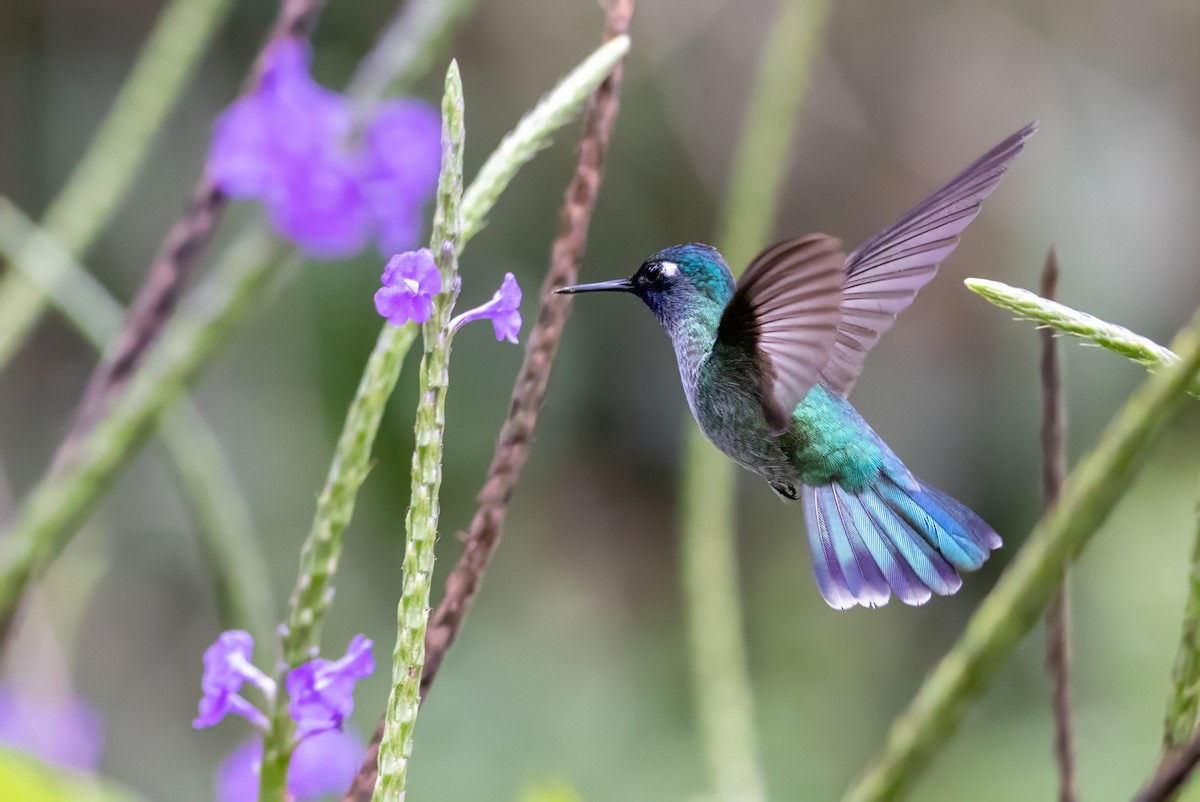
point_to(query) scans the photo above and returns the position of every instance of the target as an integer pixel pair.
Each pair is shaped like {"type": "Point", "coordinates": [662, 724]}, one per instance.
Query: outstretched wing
{"type": "Point", "coordinates": [785, 312]}
{"type": "Point", "coordinates": [884, 274]}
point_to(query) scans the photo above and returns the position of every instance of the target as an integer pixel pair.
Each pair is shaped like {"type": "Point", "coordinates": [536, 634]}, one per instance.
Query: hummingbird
{"type": "Point", "coordinates": [767, 364]}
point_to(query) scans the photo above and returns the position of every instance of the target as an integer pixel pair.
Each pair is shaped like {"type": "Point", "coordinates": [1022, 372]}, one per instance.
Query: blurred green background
{"type": "Point", "coordinates": [574, 663]}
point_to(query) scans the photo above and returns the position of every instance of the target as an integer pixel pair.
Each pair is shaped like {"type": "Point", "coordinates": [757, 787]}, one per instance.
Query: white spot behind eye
{"type": "Point", "coordinates": [669, 268]}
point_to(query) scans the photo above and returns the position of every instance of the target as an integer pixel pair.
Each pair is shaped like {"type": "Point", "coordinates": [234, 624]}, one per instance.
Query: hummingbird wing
{"type": "Point", "coordinates": [785, 314]}
{"type": "Point", "coordinates": [884, 274]}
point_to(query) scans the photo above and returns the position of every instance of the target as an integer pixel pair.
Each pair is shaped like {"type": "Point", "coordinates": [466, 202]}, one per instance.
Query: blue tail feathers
{"type": "Point", "coordinates": [899, 535]}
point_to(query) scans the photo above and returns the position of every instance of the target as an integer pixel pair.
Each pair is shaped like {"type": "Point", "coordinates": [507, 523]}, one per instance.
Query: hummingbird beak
{"type": "Point", "coordinates": [617, 285]}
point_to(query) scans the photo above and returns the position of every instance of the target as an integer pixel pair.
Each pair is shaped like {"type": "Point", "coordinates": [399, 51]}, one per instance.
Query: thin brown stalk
{"type": "Point", "coordinates": [1172, 774]}
{"type": "Point", "coordinates": [158, 296]}
{"type": "Point", "coordinates": [1058, 615]}
{"type": "Point", "coordinates": [516, 435]}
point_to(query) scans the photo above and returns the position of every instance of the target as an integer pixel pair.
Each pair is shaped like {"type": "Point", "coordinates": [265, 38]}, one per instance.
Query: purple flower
{"type": "Point", "coordinates": [287, 144]}
{"type": "Point", "coordinates": [404, 155]}
{"type": "Point", "coordinates": [62, 731]}
{"type": "Point", "coordinates": [323, 765]}
{"type": "Point", "coordinates": [410, 281]}
{"type": "Point", "coordinates": [227, 667]}
{"type": "Point", "coordinates": [321, 692]}
{"type": "Point", "coordinates": [503, 310]}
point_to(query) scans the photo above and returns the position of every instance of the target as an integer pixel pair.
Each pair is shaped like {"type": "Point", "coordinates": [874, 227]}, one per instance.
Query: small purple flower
{"type": "Point", "coordinates": [227, 667]}
{"type": "Point", "coordinates": [287, 145]}
{"type": "Point", "coordinates": [322, 765]}
{"type": "Point", "coordinates": [410, 281]}
{"type": "Point", "coordinates": [503, 310]}
{"type": "Point", "coordinates": [321, 692]}
{"type": "Point", "coordinates": [62, 731]}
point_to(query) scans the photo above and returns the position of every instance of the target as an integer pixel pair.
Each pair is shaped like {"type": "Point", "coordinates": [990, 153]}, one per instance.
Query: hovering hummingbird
{"type": "Point", "coordinates": [767, 364]}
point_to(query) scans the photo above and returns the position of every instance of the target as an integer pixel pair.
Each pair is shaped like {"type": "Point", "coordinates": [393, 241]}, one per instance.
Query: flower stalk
{"type": "Point", "coordinates": [206, 482]}
{"type": "Point", "coordinates": [1117, 339]}
{"type": "Point", "coordinates": [59, 502]}
{"type": "Point", "coordinates": [1183, 704]}
{"type": "Point", "coordinates": [1028, 584]}
{"type": "Point", "coordinates": [421, 522]}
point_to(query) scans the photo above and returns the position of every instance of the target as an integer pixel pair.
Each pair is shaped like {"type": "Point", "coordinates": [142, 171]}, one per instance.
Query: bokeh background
{"type": "Point", "coordinates": [574, 664]}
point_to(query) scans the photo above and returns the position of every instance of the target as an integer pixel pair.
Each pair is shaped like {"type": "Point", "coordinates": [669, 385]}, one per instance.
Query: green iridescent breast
{"type": "Point", "coordinates": [830, 442]}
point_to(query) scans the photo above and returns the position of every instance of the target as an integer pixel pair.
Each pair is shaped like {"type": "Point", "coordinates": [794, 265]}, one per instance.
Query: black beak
{"type": "Point", "coordinates": [617, 285]}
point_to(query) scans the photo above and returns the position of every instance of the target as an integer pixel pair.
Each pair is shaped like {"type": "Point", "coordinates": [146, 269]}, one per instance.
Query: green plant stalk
{"type": "Point", "coordinates": [116, 153]}
{"type": "Point", "coordinates": [56, 504]}
{"type": "Point", "coordinates": [205, 480]}
{"type": "Point", "coordinates": [1117, 339]}
{"type": "Point", "coordinates": [709, 554]}
{"type": "Point", "coordinates": [1021, 595]}
{"type": "Point", "coordinates": [312, 596]}
{"type": "Point", "coordinates": [421, 522]}
{"type": "Point", "coordinates": [1183, 704]}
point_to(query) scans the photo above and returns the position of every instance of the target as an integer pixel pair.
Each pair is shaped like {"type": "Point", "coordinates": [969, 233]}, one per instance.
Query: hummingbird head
{"type": "Point", "coordinates": [679, 284]}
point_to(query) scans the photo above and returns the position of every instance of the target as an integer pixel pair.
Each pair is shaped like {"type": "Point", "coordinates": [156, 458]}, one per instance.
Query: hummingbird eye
{"type": "Point", "coordinates": [653, 272]}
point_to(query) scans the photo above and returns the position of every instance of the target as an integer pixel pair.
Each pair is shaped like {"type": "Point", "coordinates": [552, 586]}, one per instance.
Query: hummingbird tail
{"type": "Point", "coordinates": [899, 535]}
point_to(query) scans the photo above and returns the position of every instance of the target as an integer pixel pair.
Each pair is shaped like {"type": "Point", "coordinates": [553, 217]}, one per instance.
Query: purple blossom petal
{"type": "Point", "coordinates": [237, 776]}
{"type": "Point", "coordinates": [288, 145]}
{"type": "Point", "coordinates": [267, 136]}
{"type": "Point", "coordinates": [321, 692]}
{"type": "Point", "coordinates": [63, 732]}
{"type": "Point", "coordinates": [403, 152]}
{"type": "Point", "coordinates": [227, 667]}
{"type": "Point", "coordinates": [323, 765]}
{"type": "Point", "coordinates": [503, 310]}
{"type": "Point", "coordinates": [410, 281]}
{"type": "Point", "coordinates": [322, 208]}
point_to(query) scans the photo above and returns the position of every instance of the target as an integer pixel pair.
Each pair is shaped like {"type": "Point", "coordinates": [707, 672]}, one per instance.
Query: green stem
{"type": "Point", "coordinates": [709, 555]}
{"type": "Point", "coordinates": [205, 479]}
{"type": "Point", "coordinates": [1030, 581]}
{"type": "Point", "coordinates": [116, 153]}
{"type": "Point", "coordinates": [421, 522]}
{"type": "Point", "coordinates": [56, 504]}
{"type": "Point", "coordinates": [1183, 705]}
{"type": "Point", "coordinates": [1117, 339]}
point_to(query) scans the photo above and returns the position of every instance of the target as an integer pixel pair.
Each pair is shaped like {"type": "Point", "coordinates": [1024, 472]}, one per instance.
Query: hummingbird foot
{"type": "Point", "coordinates": [786, 491]}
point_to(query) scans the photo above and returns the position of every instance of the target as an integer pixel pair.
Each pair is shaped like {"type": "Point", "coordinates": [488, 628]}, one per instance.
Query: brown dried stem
{"type": "Point", "coordinates": [516, 435]}
{"type": "Point", "coordinates": [158, 296]}
{"type": "Point", "coordinates": [1172, 774]}
{"type": "Point", "coordinates": [1058, 615]}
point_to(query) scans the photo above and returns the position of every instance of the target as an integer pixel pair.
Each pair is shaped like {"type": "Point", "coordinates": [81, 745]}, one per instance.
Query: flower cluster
{"type": "Point", "coordinates": [411, 280]}
{"type": "Point", "coordinates": [289, 145]}
{"type": "Point", "coordinates": [320, 699]}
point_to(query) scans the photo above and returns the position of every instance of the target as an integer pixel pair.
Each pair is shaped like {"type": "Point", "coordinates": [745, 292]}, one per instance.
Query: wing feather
{"type": "Point", "coordinates": [885, 273]}
{"type": "Point", "coordinates": [785, 312]}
